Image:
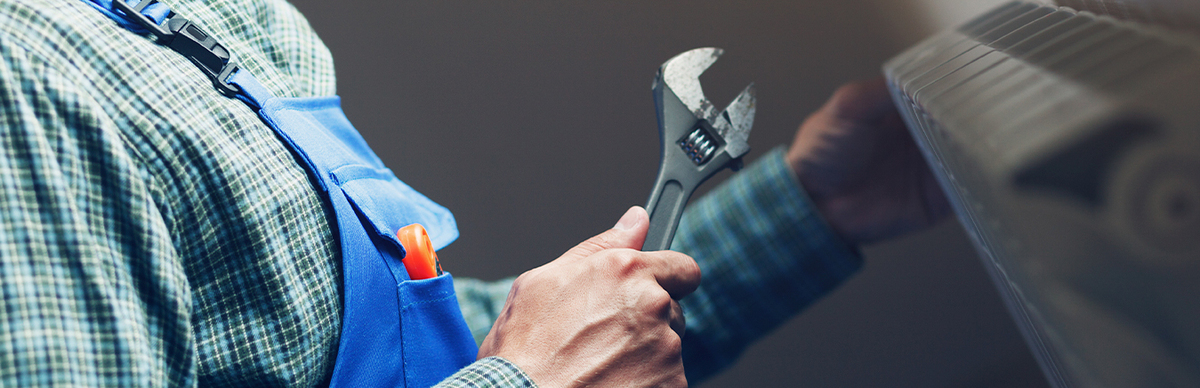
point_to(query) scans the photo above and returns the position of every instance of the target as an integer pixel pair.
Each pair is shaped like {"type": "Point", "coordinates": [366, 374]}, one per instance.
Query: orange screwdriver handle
{"type": "Point", "coordinates": [420, 260]}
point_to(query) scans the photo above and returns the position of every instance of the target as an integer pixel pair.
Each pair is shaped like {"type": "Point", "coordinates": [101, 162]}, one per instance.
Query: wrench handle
{"type": "Point", "coordinates": [665, 208]}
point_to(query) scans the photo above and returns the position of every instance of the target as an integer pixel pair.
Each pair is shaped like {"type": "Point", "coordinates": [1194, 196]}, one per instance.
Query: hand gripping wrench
{"type": "Point", "coordinates": [697, 140]}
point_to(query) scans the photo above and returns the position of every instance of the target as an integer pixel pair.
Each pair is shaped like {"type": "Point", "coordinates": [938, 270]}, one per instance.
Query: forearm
{"type": "Point", "coordinates": [765, 254]}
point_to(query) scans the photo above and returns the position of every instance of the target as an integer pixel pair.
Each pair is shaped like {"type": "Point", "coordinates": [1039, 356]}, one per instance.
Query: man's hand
{"type": "Point", "coordinates": [601, 314]}
{"type": "Point", "coordinates": [862, 169]}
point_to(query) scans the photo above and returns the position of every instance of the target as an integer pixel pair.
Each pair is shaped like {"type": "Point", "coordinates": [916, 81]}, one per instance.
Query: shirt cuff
{"type": "Point", "coordinates": [765, 253]}
{"type": "Point", "coordinates": [491, 372]}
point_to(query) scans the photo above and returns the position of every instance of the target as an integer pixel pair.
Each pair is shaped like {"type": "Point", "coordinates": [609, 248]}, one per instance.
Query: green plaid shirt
{"type": "Point", "coordinates": [155, 233]}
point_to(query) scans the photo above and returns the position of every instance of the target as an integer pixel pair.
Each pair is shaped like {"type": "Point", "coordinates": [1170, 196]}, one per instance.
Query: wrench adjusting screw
{"type": "Point", "coordinates": [698, 145]}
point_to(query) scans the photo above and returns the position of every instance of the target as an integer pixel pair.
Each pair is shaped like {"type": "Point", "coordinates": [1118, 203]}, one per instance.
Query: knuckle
{"type": "Point", "coordinates": [532, 279]}
{"type": "Point", "coordinates": [625, 261]}
{"type": "Point", "coordinates": [660, 296]}
{"type": "Point", "coordinates": [670, 357]}
{"type": "Point", "coordinates": [528, 276]}
{"type": "Point", "coordinates": [519, 285]}
{"type": "Point", "coordinates": [673, 343]}
{"type": "Point", "coordinates": [522, 278]}
{"type": "Point", "coordinates": [659, 300]}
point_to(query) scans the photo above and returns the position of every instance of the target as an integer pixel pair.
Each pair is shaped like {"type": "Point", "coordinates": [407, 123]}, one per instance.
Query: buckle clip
{"type": "Point", "coordinates": [189, 40]}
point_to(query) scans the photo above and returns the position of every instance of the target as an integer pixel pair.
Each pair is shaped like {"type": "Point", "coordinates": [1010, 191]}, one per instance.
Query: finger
{"type": "Point", "coordinates": [677, 321]}
{"type": "Point", "coordinates": [628, 233]}
{"type": "Point", "coordinates": [866, 102]}
{"type": "Point", "coordinates": [675, 272]}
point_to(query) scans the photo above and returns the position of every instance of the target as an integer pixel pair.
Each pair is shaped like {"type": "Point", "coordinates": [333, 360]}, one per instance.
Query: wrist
{"type": "Point", "coordinates": [829, 207]}
{"type": "Point", "coordinates": [821, 179]}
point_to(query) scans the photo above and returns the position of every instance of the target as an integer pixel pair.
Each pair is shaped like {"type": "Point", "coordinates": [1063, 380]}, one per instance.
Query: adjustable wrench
{"type": "Point", "coordinates": [697, 140]}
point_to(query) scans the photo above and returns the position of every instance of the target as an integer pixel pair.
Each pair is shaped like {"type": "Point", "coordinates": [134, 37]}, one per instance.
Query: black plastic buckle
{"type": "Point", "coordinates": [187, 39]}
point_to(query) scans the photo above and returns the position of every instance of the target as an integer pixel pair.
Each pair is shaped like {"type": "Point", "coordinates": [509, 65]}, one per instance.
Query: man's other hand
{"type": "Point", "coordinates": [862, 169]}
{"type": "Point", "coordinates": [602, 314]}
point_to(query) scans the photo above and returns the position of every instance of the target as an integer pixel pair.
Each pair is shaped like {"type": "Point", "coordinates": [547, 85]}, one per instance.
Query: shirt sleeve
{"type": "Point", "coordinates": [92, 292]}
{"type": "Point", "coordinates": [764, 252]}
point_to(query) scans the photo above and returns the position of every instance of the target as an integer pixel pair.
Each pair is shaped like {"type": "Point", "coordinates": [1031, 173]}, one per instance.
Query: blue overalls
{"type": "Point", "coordinates": [395, 331]}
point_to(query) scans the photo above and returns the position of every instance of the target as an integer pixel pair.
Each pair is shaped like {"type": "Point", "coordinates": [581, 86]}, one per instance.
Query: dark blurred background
{"type": "Point", "coordinates": [533, 122]}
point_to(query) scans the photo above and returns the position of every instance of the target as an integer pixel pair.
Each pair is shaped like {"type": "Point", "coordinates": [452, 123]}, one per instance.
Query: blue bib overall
{"type": "Point", "coordinates": [395, 331]}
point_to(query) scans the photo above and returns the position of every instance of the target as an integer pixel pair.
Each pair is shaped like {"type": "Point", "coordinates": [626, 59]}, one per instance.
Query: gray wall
{"type": "Point", "coordinates": [533, 122]}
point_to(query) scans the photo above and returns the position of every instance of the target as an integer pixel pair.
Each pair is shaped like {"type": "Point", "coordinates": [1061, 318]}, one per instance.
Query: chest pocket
{"type": "Point", "coordinates": [395, 331]}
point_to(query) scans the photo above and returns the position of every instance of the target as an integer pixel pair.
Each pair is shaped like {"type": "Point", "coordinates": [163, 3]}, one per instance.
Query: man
{"type": "Point", "coordinates": [155, 232]}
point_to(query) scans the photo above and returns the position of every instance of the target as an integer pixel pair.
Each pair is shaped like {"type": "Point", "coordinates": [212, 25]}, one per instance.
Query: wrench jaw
{"type": "Point", "coordinates": [682, 75]}
{"type": "Point", "coordinates": [736, 121]}
{"type": "Point", "coordinates": [725, 131]}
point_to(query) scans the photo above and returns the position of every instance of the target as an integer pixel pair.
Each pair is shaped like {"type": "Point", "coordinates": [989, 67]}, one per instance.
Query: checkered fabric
{"type": "Point", "coordinates": [155, 233]}
{"type": "Point", "coordinates": [764, 254]}
{"type": "Point", "coordinates": [491, 372]}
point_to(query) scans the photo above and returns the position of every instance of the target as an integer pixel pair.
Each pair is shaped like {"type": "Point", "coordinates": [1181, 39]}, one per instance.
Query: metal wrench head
{"type": "Point", "coordinates": [681, 75]}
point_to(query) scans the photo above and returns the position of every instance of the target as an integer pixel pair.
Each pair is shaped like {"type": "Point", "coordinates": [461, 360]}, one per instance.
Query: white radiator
{"type": "Point", "coordinates": [1069, 144]}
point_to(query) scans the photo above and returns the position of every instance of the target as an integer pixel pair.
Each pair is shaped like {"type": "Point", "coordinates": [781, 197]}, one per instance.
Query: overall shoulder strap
{"type": "Point", "coordinates": [182, 36]}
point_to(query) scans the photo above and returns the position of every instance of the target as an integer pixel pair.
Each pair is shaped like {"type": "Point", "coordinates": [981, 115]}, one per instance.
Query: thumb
{"type": "Point", "coordinates": [629, 233]}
